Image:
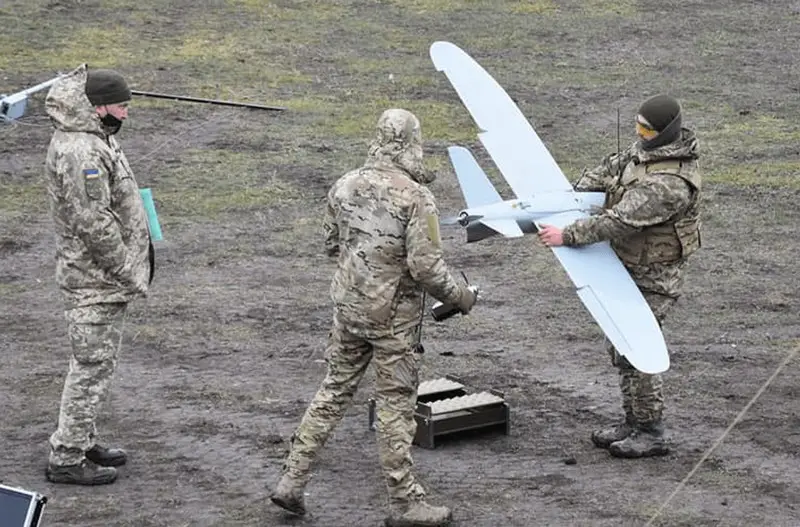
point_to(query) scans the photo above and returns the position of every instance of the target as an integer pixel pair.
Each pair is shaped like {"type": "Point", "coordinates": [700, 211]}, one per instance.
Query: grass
{"type": "Point", "coordinates": [213, 182]}
{"type": "Point", "coordinates": [751, 133]}
{"type": "Point", "coordinates": [530, 7]}
{"type": "Point", "coordinates": [23, 197]}
{"type": "Point", "coordinates": [12, 290]}
{"type": "Point", "coordinates": [439, 121]}
{"type": "Point", "coordinates": [245, 189]}
{"type": "Point", "coordinates": [782, 174]}
{"type": "Point", "coordinates": [618, 8]}
{"type": "Point", "coordinates": [542, 7]}
{"type": "Point", "coordinates": [278, 53]}
{"type": "Point", "coordinates": [751, 149]}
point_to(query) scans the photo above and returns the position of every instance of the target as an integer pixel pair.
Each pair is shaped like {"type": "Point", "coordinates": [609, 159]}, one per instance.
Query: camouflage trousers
{"type": "Point", "coordinates": [642, 393]}
{"type": "Point", "coordinates": [397, 365]}
{"type": "Point", "coordinates": [95, 333]}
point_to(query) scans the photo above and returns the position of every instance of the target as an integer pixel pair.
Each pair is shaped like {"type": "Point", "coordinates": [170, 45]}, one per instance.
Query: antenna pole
{"type": "Point", "coordinates": [205, 101]}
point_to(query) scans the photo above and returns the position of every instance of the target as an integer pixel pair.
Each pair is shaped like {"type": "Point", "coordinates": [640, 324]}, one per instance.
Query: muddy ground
{"type": "Point", "coordinates": [220, 361]}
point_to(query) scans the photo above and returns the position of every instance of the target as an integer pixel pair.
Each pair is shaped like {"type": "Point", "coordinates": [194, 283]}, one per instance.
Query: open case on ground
{"type": "Point", "coordinates": [445, 408]}
{"type": "Point", "coordinates": [20, 508]}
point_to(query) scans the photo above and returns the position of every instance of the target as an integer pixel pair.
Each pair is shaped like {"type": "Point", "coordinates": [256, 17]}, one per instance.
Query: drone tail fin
{"type": "Point", "coordinates": [474, 183]}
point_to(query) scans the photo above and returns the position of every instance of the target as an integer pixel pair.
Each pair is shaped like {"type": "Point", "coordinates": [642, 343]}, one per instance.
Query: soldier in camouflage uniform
{"type": "Point", "coordinates": [382, 225]}
{"type": "Point", "coordinates": [651, 218]}
{"type": "Point", "coordinates": [104, 259]}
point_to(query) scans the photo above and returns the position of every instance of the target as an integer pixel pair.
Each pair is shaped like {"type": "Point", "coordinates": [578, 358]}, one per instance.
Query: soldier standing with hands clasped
{"type": "Point", "coordinates": [104, 259]}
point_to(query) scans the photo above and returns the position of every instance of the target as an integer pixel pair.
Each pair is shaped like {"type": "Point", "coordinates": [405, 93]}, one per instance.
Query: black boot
{"type": "Point", "coordinates": [604, 437]}
{"type": "Point", "coordinates": [107, 457]}
{"type": "Point", "coordinates": [647, 440]}
{"type": "Point", "coordinates": [84, 473]}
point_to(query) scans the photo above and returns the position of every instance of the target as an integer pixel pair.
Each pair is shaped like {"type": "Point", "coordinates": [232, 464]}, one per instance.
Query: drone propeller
{"type": "Point", "coordinates": [462, 219]}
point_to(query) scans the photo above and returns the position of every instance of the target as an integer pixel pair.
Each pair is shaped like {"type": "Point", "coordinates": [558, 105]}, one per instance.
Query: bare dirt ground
{"type": "Point", "coordinates": [220, 361]}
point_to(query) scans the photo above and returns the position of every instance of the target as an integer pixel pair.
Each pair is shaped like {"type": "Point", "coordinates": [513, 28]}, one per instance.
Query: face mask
{"type": "Point", "coordinates": [111, 124]}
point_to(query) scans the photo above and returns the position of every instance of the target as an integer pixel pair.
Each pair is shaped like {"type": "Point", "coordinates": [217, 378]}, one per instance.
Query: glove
{"type": "Point", "coordinates": [467, 298]}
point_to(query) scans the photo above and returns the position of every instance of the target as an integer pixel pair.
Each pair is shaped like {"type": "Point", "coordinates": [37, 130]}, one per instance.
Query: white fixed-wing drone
{"type": "Point", "coordinates": [544, 197]}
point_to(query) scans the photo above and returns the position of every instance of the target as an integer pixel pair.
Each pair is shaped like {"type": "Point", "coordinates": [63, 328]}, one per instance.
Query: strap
{"type": "Point", "coordinates": [666, 165]}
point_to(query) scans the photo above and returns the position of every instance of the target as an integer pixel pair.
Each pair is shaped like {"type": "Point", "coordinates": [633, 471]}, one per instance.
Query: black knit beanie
{"type": "Point", "coordinates": [664, 115]}
{"type": "Point", "coordinates": [106, 87]}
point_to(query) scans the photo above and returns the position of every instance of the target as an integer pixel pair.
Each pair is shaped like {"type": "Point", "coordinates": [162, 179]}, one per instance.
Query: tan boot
{"type": "Point", "coordinates": [420, 514]}
{"type": "Point", "coordinates": [289, 495]}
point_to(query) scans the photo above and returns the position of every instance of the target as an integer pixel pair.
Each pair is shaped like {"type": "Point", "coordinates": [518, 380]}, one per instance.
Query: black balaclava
{"type": "Point", "coordinates": [662, 113]}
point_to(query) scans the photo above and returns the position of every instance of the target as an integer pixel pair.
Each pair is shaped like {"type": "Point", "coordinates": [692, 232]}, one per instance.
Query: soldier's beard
{"type": "Point", "coordinates": [111, 124]}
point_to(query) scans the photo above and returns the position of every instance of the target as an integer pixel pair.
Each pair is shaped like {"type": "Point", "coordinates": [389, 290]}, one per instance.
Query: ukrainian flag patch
{"type": "Point", "coordinates": [93, 184]}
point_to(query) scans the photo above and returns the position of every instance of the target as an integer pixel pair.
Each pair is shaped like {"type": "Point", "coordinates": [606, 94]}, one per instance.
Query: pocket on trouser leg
{"type": "Point", "coordinates": [301, 455]}
{"type": "Point", "coordinates": [93, 344]}
{"type": "Point", "coordinates": [95, 332]}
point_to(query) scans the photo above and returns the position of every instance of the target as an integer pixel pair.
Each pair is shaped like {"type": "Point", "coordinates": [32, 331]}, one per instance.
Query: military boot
{"type": "Point", "coordinates": [647, 440]}
{"type": "Point", "coordinates": [289, 495]}
{"type": "Point", "coordinates": [419, 513]}
{"type": "Point", "coordinates": [107, 457]}
{"type": "Point", "coordinates": [84, 473]}
{"type": "Point", "coordinates": [604, 437]}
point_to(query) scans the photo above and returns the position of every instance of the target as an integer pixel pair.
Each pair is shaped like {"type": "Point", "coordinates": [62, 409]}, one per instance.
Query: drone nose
{"type": "Point", "coordinates": [463, 219]}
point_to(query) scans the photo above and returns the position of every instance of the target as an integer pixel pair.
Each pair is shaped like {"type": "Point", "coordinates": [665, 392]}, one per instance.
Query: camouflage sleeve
{"type": "Point", "coordinates": [330, 227]}
{"type": "Point", "coordinates": [424, 252]}
{"type": "Point", "coordinates": [602, 176]}
{"type": "Point", "coordinates": [88, 204]}
{"type": "Point", "coordinates": [654, 200]}
{"type": "Point", "coordinates": [599, 178]}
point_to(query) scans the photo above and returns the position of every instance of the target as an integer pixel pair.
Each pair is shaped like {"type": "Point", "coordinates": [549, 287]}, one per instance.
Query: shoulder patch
{"type": "Point", "coordinates": [433, 229]}
{"type": "Point", "coordinates": [93, 184]}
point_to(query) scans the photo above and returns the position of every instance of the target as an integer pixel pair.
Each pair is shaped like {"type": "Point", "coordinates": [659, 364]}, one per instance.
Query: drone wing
{"type": "Point", "coordinates": [607, 290]}
{"type": "Point", "coordinates": [506, 134]}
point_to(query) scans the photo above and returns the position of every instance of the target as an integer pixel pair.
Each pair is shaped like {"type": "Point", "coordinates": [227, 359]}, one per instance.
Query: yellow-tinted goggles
{"type": "Point", "coordinates": [643, 128]}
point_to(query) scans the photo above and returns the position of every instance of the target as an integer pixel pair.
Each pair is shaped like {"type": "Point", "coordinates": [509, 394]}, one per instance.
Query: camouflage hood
{"type": "Point", "coordinates": [398, 143]}
{"type": "Point", "coordinates": [69, 107]}
{"type": "Point", "coordinates": [103, 249]}
{"type": "Point", "coordinates": [684, 148]}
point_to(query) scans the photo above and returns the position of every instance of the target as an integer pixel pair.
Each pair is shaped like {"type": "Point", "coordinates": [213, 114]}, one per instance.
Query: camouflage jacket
{"type": "Point", "coordinates": [651, 214]}
{"type": "Point", "coordinates": [103, 251]}
{"type": "Point", "coordinates": [384, 228]}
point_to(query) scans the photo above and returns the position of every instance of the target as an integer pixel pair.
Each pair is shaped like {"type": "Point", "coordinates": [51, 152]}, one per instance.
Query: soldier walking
{"type": "Point", "coordinates": [382, 224]}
